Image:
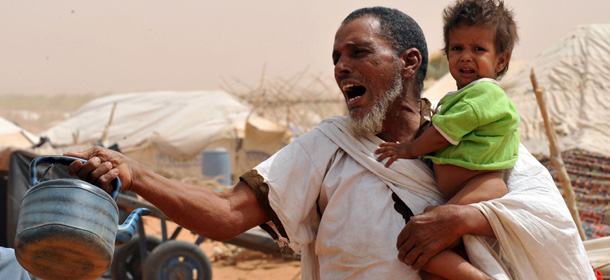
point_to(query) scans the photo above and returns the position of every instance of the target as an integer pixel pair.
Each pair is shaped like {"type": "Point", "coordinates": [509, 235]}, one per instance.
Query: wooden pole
{"type": "Point", "coordinates": [556, 159]}
{"type": "Point", "coordinates": [107, 128]}
{"type": "Point", "coordinates": [75, 136]}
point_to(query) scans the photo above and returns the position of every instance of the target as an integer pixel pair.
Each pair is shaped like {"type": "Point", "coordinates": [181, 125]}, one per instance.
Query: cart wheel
{"type": "Point", "coordinates": [177, 260]}
{"type": "Point", "coordinates": [126, 263]}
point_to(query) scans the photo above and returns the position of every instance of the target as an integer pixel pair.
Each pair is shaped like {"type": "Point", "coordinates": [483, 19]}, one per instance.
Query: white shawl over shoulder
{"type": "Point", "coordinates": [536, 237]}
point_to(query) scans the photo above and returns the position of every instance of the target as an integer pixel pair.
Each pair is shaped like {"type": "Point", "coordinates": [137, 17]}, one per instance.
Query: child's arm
{"type": "Point", "coordinates": [429, 141]}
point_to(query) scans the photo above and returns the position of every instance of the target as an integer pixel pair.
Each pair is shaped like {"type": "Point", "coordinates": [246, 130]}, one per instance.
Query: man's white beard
{"type": "Point", "coordinates": [372, 122]}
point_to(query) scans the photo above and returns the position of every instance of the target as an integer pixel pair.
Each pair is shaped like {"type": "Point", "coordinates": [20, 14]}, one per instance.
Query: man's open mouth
{"type": "Point", "coordinates": [353, 92]}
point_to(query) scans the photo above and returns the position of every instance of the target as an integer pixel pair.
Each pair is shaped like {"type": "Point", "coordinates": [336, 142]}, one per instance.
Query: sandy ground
{"type": "Point", "coordinates": [231, 262]}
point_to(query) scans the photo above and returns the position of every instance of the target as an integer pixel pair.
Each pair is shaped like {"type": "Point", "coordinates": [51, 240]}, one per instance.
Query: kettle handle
{"type": "Point", "coordinates": [65, 160]}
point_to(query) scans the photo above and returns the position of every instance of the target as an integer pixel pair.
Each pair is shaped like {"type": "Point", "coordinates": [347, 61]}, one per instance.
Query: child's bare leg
{"type": "Point", "coordinates": [429, 276]}
{"type": "Point", "coordinates": [449, 265]}
{"type": "Point", "coordinates": [463, 186]}
{"type": "Point", "coordinates": [480, 186]}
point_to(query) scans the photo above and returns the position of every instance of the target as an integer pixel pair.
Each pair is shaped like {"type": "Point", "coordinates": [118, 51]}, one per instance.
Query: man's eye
{"type": "Point", "coordinates": [360, 52]}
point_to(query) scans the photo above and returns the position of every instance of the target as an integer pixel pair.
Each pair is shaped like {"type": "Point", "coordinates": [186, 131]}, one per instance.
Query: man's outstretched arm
{"type": "Point", "coordinates": [219, 216]}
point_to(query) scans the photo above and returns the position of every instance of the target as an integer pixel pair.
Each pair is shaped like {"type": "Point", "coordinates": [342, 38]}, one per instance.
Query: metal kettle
{"type": "Point", "coordinates": [67, 228]}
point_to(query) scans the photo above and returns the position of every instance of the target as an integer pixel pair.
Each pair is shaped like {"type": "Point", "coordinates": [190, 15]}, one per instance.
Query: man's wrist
{"type": "Point", "coordinates": [460, 216]}
{"type": "Point", "coordinates": [472, 221]}
{"type": "Point", "coordinates": [465, 226]}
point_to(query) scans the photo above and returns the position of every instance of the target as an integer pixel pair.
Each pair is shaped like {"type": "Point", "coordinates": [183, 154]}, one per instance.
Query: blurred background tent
{"type": "Point", "coordinates": [164, 130]}
{"type": "Point", "coordinates": [575, 73]}
{"type": "Point", "coordinates": [12, 135]}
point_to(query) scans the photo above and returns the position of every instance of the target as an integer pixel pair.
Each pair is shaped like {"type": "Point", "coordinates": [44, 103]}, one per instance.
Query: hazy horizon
{"type": "Point", "coordinates": [70, 47]}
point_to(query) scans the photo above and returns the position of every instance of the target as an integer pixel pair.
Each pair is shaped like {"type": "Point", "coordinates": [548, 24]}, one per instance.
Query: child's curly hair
{"type": "Point", "coordinates": [489, 13]}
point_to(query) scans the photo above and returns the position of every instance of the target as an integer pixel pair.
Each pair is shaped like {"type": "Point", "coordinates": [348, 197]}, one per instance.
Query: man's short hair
{"type": "Point", "coordinates": [488, 13]}
{"type": "Point", "coordinates": [401, 31]}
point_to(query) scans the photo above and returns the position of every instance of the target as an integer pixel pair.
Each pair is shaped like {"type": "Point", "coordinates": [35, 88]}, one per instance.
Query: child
{"type": "Point", "coordinates": [474, 138]}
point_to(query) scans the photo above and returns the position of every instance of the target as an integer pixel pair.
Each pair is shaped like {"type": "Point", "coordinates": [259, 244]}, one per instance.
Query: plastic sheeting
{"type": "Point", "coordinates": [575, 73]}
{"type": "Point", "coordinates": [12, 135]}
{"type": "Point", "coordinates": [180, 124]}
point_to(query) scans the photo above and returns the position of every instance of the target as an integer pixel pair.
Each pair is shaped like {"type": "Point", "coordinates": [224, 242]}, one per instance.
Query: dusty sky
{"type": "Point", "coordinates": [75, 46]}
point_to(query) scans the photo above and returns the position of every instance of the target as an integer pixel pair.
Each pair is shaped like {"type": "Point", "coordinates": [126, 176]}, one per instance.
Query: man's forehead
{"type": "Point", "coordinates": [362, 30]}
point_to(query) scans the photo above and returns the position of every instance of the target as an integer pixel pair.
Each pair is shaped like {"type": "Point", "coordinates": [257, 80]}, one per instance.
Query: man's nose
{"type": "Point", "coordinates": [342, 67]}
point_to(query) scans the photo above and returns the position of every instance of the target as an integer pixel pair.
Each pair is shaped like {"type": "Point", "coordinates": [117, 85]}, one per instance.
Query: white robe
{"type": "Point", "coordinates": [334, 200]}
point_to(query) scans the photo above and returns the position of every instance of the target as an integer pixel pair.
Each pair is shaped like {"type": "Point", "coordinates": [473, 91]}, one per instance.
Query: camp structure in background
{"type": "Point", "coordinates": [575, 74]}
{"type": "Point", "coordinates": [282, 109]}
{"type": "Point", "coordinates": [164, 130]}
{"type": "Point", "coordinates": [11, 135]}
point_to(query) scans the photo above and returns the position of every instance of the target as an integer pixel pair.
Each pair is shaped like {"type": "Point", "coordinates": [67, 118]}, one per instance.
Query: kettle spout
{"type": "Point", "coordinates": [127, 229]}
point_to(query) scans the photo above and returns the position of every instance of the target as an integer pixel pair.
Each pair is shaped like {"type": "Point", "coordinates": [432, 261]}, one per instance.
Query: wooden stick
{"type": "Point", "coordinates": [107, 128]}
{"type": "Point", "coordinates": [75, 136]}
{"type": "Point", "coordinates": [556, 159]}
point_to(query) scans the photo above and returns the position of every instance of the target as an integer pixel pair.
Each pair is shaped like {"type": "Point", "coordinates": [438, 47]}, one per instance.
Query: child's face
{"type": "Point", "coordinates": [472, 54]}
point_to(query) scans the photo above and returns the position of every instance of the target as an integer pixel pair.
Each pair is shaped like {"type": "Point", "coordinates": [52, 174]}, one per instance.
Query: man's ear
{"type": "Point", "coordinates": [411, 60]}
{"type": "Point", "coordinates": [503, 60]}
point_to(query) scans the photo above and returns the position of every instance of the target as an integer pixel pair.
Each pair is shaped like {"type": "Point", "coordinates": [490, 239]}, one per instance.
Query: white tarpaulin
{"type": "Point", "coordinates": [12, 135]}
{"type": "Point", "coordinates": [575, 73]}
{"type": "Point", "coordinates": [155, 126]}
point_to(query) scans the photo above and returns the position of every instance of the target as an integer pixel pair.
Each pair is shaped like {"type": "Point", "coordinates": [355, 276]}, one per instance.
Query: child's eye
{"type": "Point", "coordinates": [480, 49]}
{"type": "Point", "coordinates": [456, 48]}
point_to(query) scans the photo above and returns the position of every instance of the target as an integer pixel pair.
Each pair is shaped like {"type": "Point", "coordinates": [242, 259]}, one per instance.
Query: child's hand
{"type": "Point", "coordinates": [393, 151]}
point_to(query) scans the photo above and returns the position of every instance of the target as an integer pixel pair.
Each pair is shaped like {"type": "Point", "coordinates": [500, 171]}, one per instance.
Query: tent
{"type": "Point", "coordinates": [575, 73]}
{"type": "Point", "coordinates": [12, 135]}
{"type": "Point", "coordinates": [162, 130]}
{"type": "Point", "coordinates": [178, 123]}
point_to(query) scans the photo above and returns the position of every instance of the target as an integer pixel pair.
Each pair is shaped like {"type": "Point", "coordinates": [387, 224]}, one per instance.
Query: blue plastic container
{"type": "Point", "coordinates": [217, 164]}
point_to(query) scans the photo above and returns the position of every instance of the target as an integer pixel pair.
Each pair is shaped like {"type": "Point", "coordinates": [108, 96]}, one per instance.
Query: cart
{"type": "Point", "coordinates": [150, 257]}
